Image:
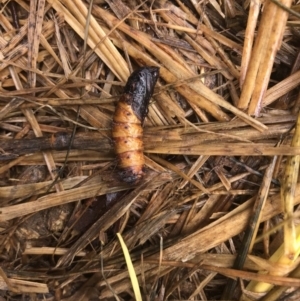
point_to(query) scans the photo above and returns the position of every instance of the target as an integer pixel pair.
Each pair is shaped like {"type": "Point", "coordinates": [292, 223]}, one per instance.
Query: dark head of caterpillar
{"type": "Point", "coordinates": [140, 85]}
{"type": "Point", "coordinates": [127, 131]}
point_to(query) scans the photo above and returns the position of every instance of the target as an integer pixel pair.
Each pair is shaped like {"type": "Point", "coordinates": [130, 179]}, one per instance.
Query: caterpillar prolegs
{"type": "Point", "coordinates": [127, 130]}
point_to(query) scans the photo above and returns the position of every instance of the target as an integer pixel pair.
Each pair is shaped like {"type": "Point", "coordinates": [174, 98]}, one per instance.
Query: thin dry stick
{"type": "Point", "coordinates": [268, 41]}
{"type": "Point", "coordinates": [249, 37]}
{"type": "Point", "coordinates": [265, 68]}
{"type": "Point", "coordinates": [281, 88]}
{"type": "Point", "coordinates": [287, 195]}
{"type": "Point", "coordinates": [51, 200]}
{"type": "Point", "coordinates": [35, 23]}
{"type": "Point", "coordinates": [235, 149]}
{"type": "Point", "coordinates": [291, 11]}
{"type": "Point", "coordinates": [258, 54]}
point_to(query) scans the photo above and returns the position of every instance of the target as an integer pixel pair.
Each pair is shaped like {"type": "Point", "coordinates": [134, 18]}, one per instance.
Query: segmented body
{"type": "Point", "coordinates": [127, 130]}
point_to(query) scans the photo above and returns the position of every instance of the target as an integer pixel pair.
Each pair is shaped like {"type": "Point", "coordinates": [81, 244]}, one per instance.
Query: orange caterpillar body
{"type": "Point", "coordinates": [127, 131]}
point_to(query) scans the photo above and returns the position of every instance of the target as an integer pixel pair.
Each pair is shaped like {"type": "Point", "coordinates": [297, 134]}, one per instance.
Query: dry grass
{"type": "Point", "coordinates": [210, 220]}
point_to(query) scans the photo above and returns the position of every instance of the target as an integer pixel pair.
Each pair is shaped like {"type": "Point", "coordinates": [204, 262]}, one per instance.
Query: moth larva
{"type": "Point", "coordinates": [127, 131]}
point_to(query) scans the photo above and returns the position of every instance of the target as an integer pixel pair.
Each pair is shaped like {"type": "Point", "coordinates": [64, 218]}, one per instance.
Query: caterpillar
{"type": "Point", "coordinates": [127, 130]}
